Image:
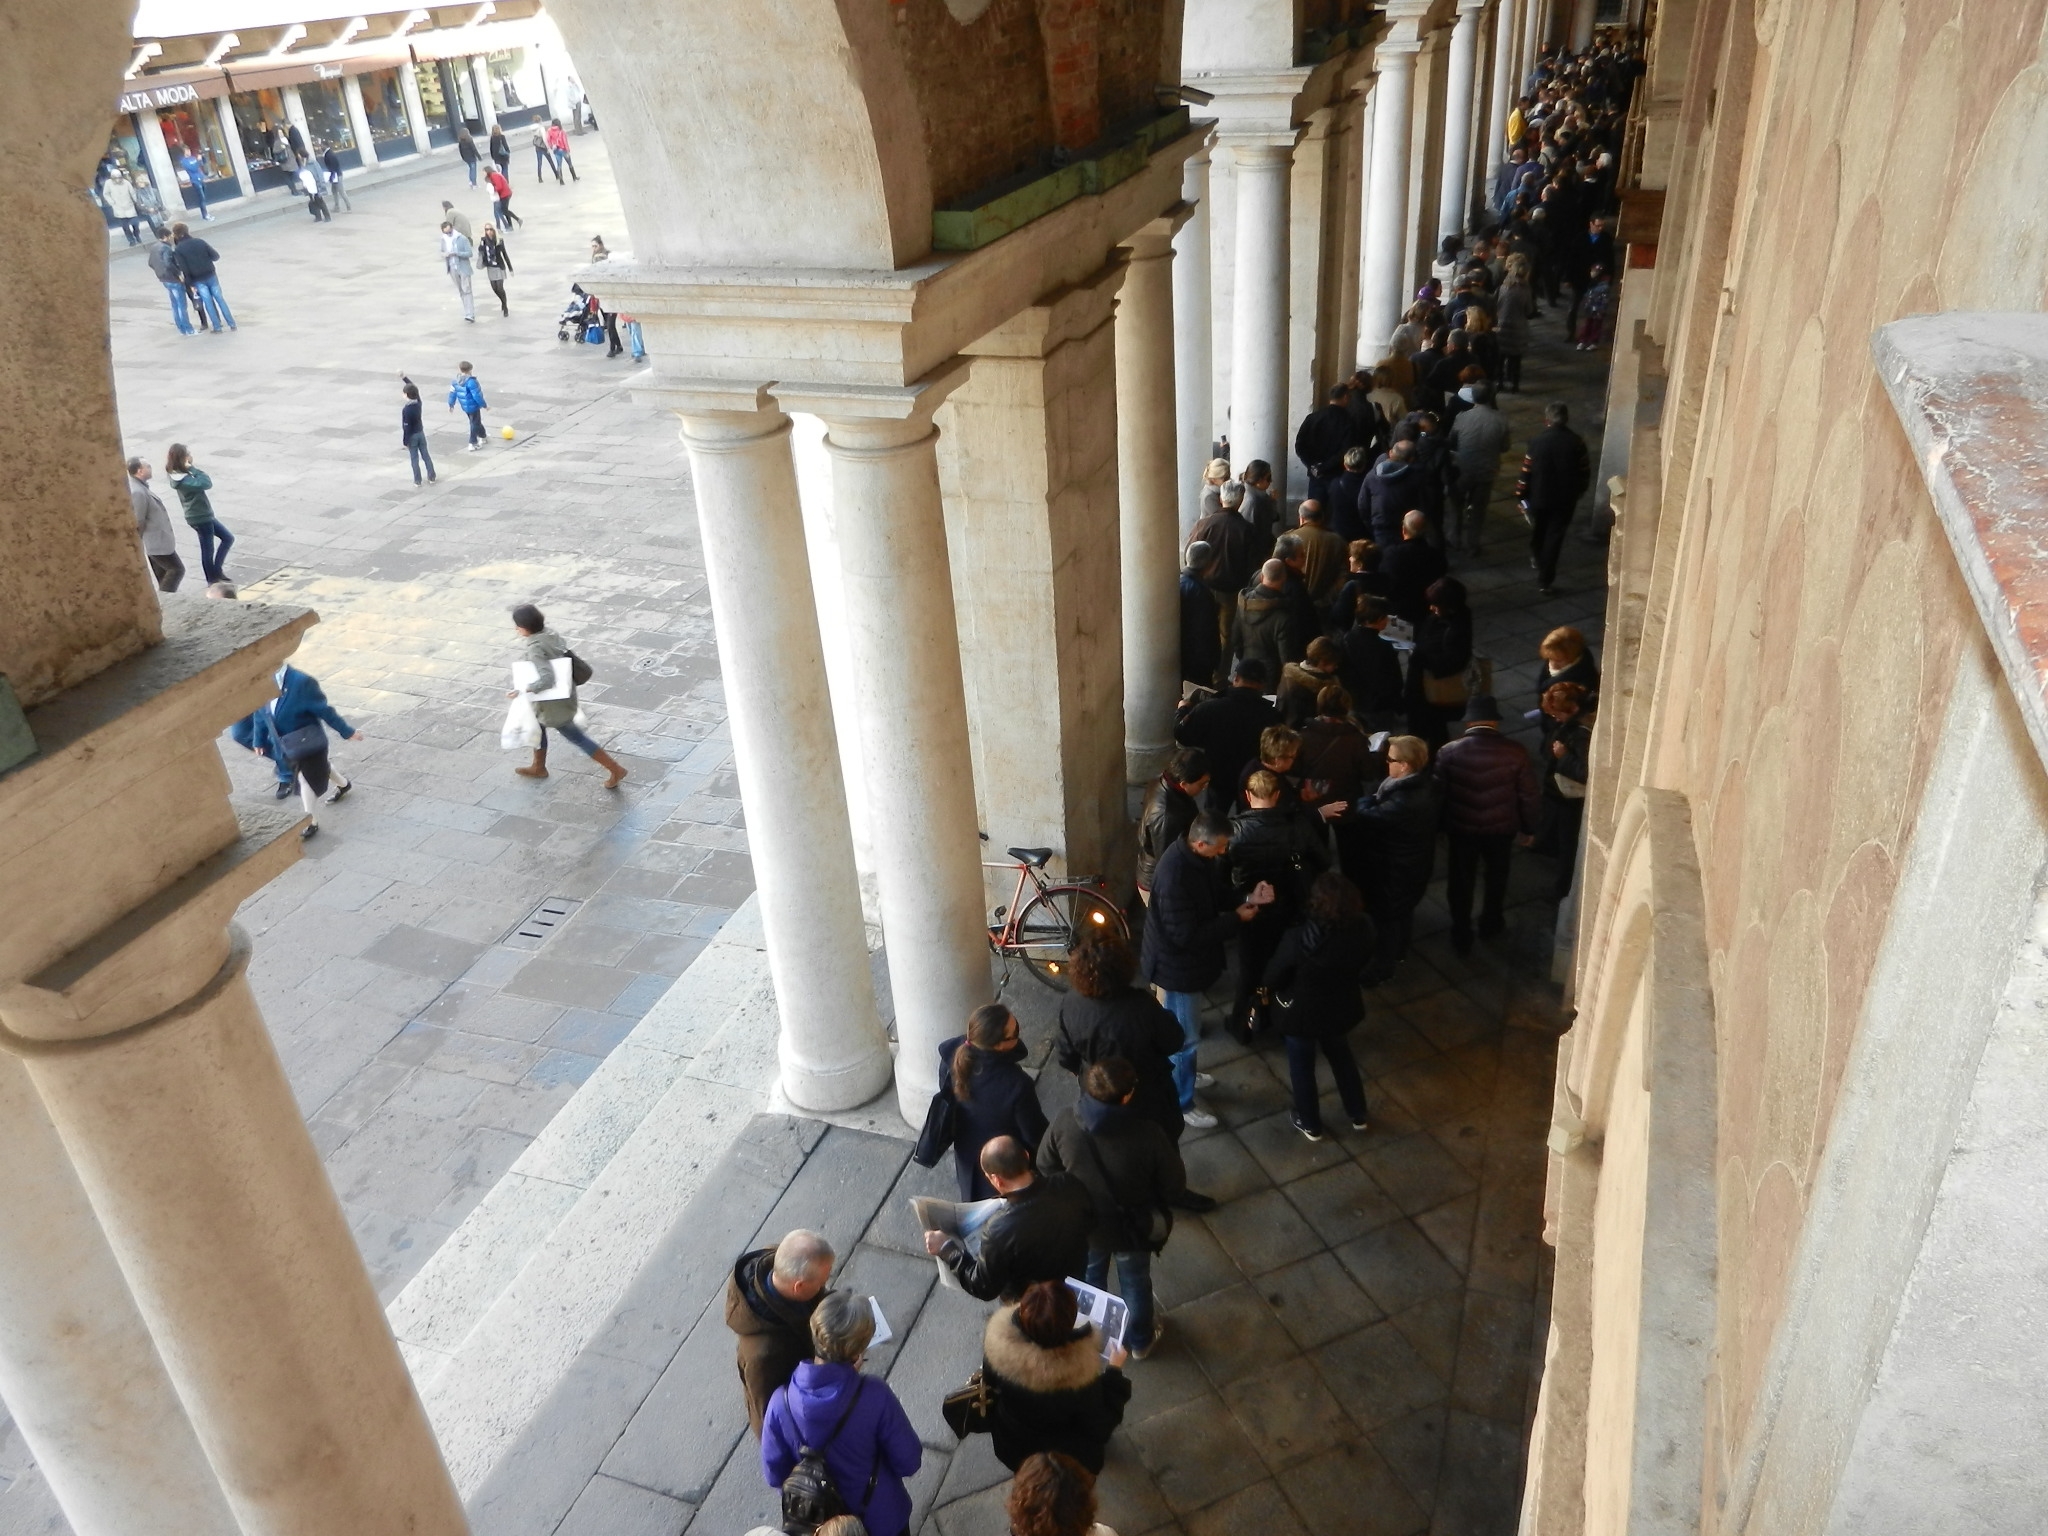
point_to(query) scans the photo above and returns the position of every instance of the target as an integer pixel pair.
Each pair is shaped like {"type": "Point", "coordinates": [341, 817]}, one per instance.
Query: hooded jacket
{"type": "Point", "coordinates": [1120, 1158]}
{"type": "Point", "coordinates": [1264, 626]}
{"type": "Point", "coordinates": [774, 1331]}
{"type": "Point", "coordinates": [873, 1450]}
{"type": "Point", "coordinates": [1132, 1025]}
{"type": "Point", "coordinates": [1392, 489]}
{"type": "Point", "coordinates": [1060, 1399]}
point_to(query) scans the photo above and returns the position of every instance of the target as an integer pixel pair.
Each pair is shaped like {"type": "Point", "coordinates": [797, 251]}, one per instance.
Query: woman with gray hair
{"type": "Point", "coordinates": [853, 1421]}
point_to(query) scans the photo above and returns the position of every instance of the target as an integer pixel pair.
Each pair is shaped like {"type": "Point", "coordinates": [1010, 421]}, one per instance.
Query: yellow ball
{"type": "Point", "coordinates": [506, 433]}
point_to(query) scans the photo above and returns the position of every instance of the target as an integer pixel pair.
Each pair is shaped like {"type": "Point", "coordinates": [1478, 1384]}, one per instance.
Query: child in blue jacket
{"type": "Point", "coordinates": [469, 394]}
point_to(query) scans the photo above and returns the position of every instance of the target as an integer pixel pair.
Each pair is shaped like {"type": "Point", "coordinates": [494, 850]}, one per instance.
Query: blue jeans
{"type": "Point", "coordinates": [472, 171]}
{"type": "Point", "coordinates": [416, 450]}
{"type": "Point", "coordinates": [573, 734]}
{"type": "Point", "coordinates": [199, 191]}
{"type": "Point", "coordinates": [211, 304]}
{"type": "Point", "coordinates": [1133, 1283]}
{"type": "Point", "coordinates": [179, 311]}
{"type": "Point", "coordinates": [214, 543]}
{"type": "Point", "coordinates": [1185, 1006]}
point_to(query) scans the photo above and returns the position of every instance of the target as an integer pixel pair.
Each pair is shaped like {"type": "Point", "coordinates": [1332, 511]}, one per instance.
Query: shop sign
{"type": "Point", "coordinates": [159, 96]}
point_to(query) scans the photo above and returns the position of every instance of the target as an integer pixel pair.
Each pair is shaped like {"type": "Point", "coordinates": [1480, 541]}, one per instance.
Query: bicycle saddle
{"type": "Point", "coordinates": [1035, 857]}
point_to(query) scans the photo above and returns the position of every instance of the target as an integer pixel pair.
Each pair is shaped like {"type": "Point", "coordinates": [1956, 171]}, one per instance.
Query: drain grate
{"type": "Point", "coordinates": [541, 924]}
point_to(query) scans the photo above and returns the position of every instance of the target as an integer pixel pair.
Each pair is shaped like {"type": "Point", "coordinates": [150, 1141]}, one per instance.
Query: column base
{"type": "Point", "coordinates": [829, 1090]}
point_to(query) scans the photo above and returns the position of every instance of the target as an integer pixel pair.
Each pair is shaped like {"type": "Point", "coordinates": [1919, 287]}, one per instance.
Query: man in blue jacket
{"type": "Point", "coordinates": [1191, 917]}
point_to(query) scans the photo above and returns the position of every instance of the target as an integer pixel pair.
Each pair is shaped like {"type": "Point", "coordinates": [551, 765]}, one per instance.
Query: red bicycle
{"type": "Point", "coordinates": [1042, 928]}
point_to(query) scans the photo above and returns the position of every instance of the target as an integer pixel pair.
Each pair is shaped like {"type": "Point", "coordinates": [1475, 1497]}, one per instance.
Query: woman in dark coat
{"type": "Point", "coordinates": [1105, 1015]}
{"type": "Point", "coordinates": [982, 1072]}
{"type": "Point", "coordinates": [1443, 650]}
{"type": "Point", "coordinates": [1279, 842]}
{"type": "Point", "coordinates": [1053, 1390]}
{"type": "Point", "coordinates": [1315, 976]}
{"type": "Point", "coordinates": [1562, 763]}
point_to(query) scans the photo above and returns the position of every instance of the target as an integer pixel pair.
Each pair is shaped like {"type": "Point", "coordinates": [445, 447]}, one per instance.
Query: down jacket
{"type": "Point", "coordinates": [1489, 784]}
{"type": "Point", "coordinates": [1062, 1399]}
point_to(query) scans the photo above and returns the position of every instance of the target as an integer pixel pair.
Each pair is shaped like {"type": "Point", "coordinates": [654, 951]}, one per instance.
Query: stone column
{"type": "Point", "coordinates": [480, 78]}
{"type": "Point", "coordinates": [913, 710]}
{"type": "Point", "coordinates": [295, 114]}
{"type": "Point", "coordinates": [1506, 34]}
{"type": "Point", "coordinates": [358, 118]}
{"type": "Point", "coordinates": [1193, 341]}
{"type": "Point", "coordinates": [1454, 199]}
{"type": "Point", "coordinates": [1148, 518]}
{"type": "Point", "coordinates": [162, 169]}
{"type": "Point", "coordinates": [1382, 287]}
{"type": "Point", "coordinates": [77, 1369]}
{"type": "Point", "coordinates": [415, 109]}
{"type": "Point", "coordinates": [833, 1051]}
{"type": "Point", "coordinates": [1258, 316]}
{"type": "Point", "coordinates": [238, 155]}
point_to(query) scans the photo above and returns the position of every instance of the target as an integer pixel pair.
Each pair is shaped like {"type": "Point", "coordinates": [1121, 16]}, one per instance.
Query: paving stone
{"type": "Point", "coordinates": [544, 1472]}
{"type": "Point", "coordinates": [894, 1227]}
{"type": "Point", "coordinates": [661, 954]}
{"type": "Point", "coordinates": [1479, 1486]}
{"type": "Point", "coordinates": [1262, 1232]}
{"type": "Point", "coordinates": [1432, 1328]}
{"type": "Point", "coordinates": [1493, 1351]}
{"type": "Point", "coordinates": [1377, 1376]}
{"type": "Point", "coordinates": [609, 1507]}
{"type": "Point", "coordinates": [1285, 1153]}
{"type": "Point", "coordinates": [1449, 1228]}
{"type": "Point", "coordinates": [1397, 1266]}
{"type": "Point", "coordinates": [1448, 1018]}
{"type": "Point", "coordinates": [938, 1352]}
{"type": "Point", "coordinates": [588, 1032]}
{"type": "Point", "coordinates": [981, 1514]}
{"type": "Point", "coordinates": [1342, 1203]}
{"type": "Point", "coordinates": [740, 1499]}
{"type": "Point", "coordinates": [1261, 1508]}
{"type": "Point", "coordinates": [1350, 1491]}
{"type": "Point", "coordinates": [575, 986]}
{"type": "Point", "coordinates": [1316, 1301]}
{"type": "Point", "coordinates": [1126, 1498]}
{"type": "Point", "coordinates": [1413, 1446]}
{"type": "Point", "coordinates": [1219, 1166]}
{"type": "Point", "coordinates": [970, 1469]}
{"type": "Point", "coordinates": [592, 943]}
{"type": "Point", "coordinates": [682, 1434]}
{"type": "Point", "coordinates": [1245, 1091]}
{"type": "Point", "coordinates": [841, 1187]}
{"type": "Point", "coordinates": [1416, 1172]}
{"type": "Point", "coordinates": [1288, 1413]}
{"type": "Point", "coordinates": [1436, 1089]}
{"type": "Point", "coordinates": [1197, 1454]}
{"type": "Point", "coordinates": [1193, 1264]}
{"type": "Point", "coordinates": [1232, 1334]}
{"type": "Point", "coordinates": [424, 952]}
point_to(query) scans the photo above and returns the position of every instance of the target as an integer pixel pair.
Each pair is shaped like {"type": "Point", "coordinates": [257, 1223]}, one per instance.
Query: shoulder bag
{"type": "Point", "coordinates": [969, 1410]}
{"type": "Point", "coordinates": [580, 671]}
{"type": "Point", "coordinates": [307, 741]}
{"type": "Point", "coordinates": [941, 1124]}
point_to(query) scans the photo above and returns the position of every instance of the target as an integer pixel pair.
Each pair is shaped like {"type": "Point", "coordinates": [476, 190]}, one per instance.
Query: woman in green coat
{"type": "Point", "coordinates": [542, 646]}
{"type": "Point", "coordinates": [192, 483]}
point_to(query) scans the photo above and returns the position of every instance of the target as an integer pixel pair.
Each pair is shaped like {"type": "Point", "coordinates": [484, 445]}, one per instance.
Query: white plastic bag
{"type": "Point", "coordinates": [522, 727]}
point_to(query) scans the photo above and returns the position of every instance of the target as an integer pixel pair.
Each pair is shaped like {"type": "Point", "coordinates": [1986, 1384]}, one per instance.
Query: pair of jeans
{"type": "Point", "coordinates": [460, 277]}
{"type": "Point", "coordinates": [199, 191]}
{"type": "Point", "coordinates": [180, 311]}
{"type": "Point", "coordinates": [476, 425]}
{"type": "Point", "coordinates": [501, 212]}
{"type": "Point", "coordinates": [1133, 1283]}
{"type": "Point", "coordinates": [472, 171]}
{"type": "Point", "coordinates": [1469, 850]}
{"type": "Point", "coordinates": [1301, 1069]}
{"type": "Point", "coordinates": [573, 734]}
{"type": "Point", "coordinates": [562, 159]}
{"type": "Point", "coordinates": [1469, 513]}
{"type": "Point", "coordinates": [215, 308]}
{"type": "Point", "coordinates": [543, 161]}
{"type": "Point", "coordinates": [214, 543]}
{"type": "Point", "coordinates": [1186, 1007]}
{"type": "Point", "coordinates": [416, 451]}
{"type": "Point", "coordinates": [340, 197]}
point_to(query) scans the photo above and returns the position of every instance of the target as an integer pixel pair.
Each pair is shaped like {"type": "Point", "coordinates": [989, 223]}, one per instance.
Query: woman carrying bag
{"type": "Point", "coordinates": [496, 263]}
{"type": "Point", "coordinates": [1315, 977]}
{"type": "Point", "coordinates": [543, 647]}
{"type": "Point", "coordinates": [984, 1092]}
{"type": "Point", "coordinates": [1052, 1389]}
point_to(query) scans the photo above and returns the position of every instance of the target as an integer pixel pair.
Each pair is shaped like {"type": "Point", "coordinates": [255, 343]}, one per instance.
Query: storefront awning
{"type": "Point", "coordinates": [301, 69]}
{"type": "Point", "coordinates": [459, 42]}
{"type": "Point", "coordinates": [170, 88]}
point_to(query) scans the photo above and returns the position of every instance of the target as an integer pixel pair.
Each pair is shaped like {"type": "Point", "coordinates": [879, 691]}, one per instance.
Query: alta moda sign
{"type": "Point", "coordinates": [161, 96]}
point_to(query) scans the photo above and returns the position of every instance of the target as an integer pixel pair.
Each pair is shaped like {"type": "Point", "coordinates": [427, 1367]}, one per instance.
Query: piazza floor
{"type": "Point", "coordinates": [1353, 1337]}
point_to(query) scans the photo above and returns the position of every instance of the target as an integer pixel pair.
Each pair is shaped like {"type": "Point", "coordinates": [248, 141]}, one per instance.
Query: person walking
{"type": "Point", "coordinates": [496, 262]}
{"type": "Point", "coordinates": [465, 146]}
{"type": "Point", "coordinates": [466, 392]}
{"type": "Point", "coordinates": [1490, 804]}
{"type": "Point", "coordinates": [1133, 1172]}
{"type": "Point", "coordinates": [501, 200]}
{"type": "Point", "coordinates": [1555, 473]}
{"type": "Point", "coordinates": [117, 195]}
{"type": "Point", "coordinates": [456, 255]}
{"type": "Point", "coordinates": [293, 731]}
{"type": "Point", "coordinates": [196, 260]}
{"type": "Point", "coordinates": [558, 145]}
{"type": "Point", "coordinates": [769, 1299]}
{"type": "Point", "coordinates": [412, 430]}
{"type": "Point", "coordinates": [330, 162]}
{"type": "Point", "coordinates": [195, 177]}
{"type": "Point", "coordinates": [1386, 843]}
{"type": "Point", "coordinates": [543, 158]}
{"type": "Point", "coordinates": [1479, 437]}
{"type": "Point", "coordinates": [192, 483]}
{"type": "Point", "coordinates": [1316, 976]}
{"type": "Point", "coordinates": [501, 151]}
{"type": "Point", "coordinates": [1056, 1386]}
{"type": "Point", "coordinates": [308, 180]}
{"type": "Point", "coordinates": [163, 264]}
{"type": "Point", "coordinates": [982, 1073]}
{"type": "Point", "coordinates": [159, 543]}
{"type": "Point", "coordinates": [853, 1421]}
{"type": "Point", "coordinates": [542, 646]}
{"type": "Point", "coordinates": [450, 214]}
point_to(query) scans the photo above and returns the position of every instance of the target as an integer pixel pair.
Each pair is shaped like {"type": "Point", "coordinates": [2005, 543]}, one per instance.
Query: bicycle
{"type": "Point", "coordinates": [1042, 930]}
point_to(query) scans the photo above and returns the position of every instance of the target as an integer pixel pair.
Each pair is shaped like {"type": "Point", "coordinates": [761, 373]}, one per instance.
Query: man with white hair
{"type": "Point", "coordinates": [768, 1303]}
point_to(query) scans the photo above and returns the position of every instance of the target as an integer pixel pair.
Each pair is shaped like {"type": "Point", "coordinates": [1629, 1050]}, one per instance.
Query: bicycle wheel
{"type": "Point", "coordinates": [1051, 923]}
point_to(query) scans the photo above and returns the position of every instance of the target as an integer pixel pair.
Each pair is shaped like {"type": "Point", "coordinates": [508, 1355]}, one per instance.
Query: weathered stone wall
{"type": "Point", "coordinates": [1840, 165]}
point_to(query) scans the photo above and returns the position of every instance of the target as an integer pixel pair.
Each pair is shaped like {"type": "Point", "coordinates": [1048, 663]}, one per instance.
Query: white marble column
{"type": "Point", "coordinates": [1148, 499]}
{"type": "Point", "coordinates": [162, 169]}
{"type": "Point", "coordinates": [891, 526]}
{"type": "Point", "coordinates": [1193, 341]}
{"type": "Point", "coordinates": [415, 108]}
{"type": "Point", "coordinates": [1455, 193]}
{"type": "Point", "coordinates": [147, 1048]}
{"type": "Point", "coordinates": [1506, 87]}
{"type": "Point", "coordinates": [358, 118]}
{"type": "Point", "coordinates": [78, 1371]}
{"type": "Point", "coordinates": [1382, 288]}
{"type": "Point", "coordinates": [238, 156]}
{"type": "Point", "coordinates": [833, 1051]}
{"type": "Point", "coordinates": [1259, 308]}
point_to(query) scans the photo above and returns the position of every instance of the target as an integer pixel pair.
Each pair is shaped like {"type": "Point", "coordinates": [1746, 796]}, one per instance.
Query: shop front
{"type": "Point", "coordinates": [199, 151]}
{"type": "Point", "coordinates": [327, 123]}
{"type": "Point", "coordinates": [168, 134]}
{"type": "Point", "coordinates": [437, 93]}
{"type": "Point", "coordinates": [384, 110]}
{"type": "Point", "coordinates": [519, 88]}
{"type": "Point", "coordinates": [264, 129]}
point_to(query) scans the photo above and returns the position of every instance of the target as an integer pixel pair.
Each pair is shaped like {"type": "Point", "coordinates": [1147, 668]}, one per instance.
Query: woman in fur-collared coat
{"type": "Point", "coordinates": [1053, 1389]}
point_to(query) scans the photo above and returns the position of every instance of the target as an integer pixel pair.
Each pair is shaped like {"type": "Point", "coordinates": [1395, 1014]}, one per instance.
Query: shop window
{"type": "Point", "coordinates": [519, 91]}
{"type": "Point", "coordinates": [261, 122]}
{"type": "Point", "coordinates": [384, 106]}
{"type": "Point", "coordinates": [194, 136]}
{"type": "Point", "coordinates": [434, 102]}
{"type": "Point", "coordinates": [327, 123]}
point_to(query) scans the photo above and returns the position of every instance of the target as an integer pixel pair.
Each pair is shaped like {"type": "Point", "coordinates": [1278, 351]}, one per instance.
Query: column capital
{"type": "Point", "coordinates": [689, 397]}
{"type": "Point", "coordinates": [1155, 241]}
{"type": "Point", "coordinates": [1396, 55]}
{"type": "Point", "coordinates": [871, 418]}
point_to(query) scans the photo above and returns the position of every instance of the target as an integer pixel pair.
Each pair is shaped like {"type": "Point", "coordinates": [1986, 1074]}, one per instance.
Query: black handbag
{"type": "Point", "coordinates": [307, 741]}
{"type": "Point", "coordinates": [969, 1410]}
{"type": "Point", "coordinates": [580, 671]}
{"type": "Point", "coordinates": [941, 1125]}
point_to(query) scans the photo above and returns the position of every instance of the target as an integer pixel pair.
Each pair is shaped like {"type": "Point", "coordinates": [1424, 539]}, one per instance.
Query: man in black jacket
{"type": "Point", "coordinates": [196, 261]}
{"type": "Point", "coordinates": [1230, 539]}
{"type": "Point", "coordinates": [1555, 473]}
{"type": "Point", "coordinates": [1412, 567]}
{"type": "Point", "coordinates": [1040, 1234]}
{"type": "Point", "coordinates": [1227, 726]}
{"type": "Point", "coordinates": [1201, 647]}
{"type": "Point", "coordinates": [1371, 669]}
{"type": "Point", "coordinates": [1387, 845]}
{"type": "Point", "coordinates": [1131, 1170]}
{"type": "Point", "coordinates": [1172, 802]}
{"type": "Point", "coordinates": [1321, 440]}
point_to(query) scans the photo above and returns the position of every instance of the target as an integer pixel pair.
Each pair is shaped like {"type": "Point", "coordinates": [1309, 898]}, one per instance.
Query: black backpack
{"type": "Point", "coordinates": [809, 1496]}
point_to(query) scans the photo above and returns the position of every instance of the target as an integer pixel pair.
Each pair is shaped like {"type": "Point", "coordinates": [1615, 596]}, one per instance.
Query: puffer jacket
{"type": "Point", "coordinates": [1264, 626]}
{"type": "Point", "coordinates": [1063, 1399]}
{"type": "Point", "coordinates": [1316, 974]}
{"type": "Point", "coordinates": [1388, 840]}
{"type": "Point", "coordinates": [1284, 846]}
{"type": "Point", "coordinates": [1489, 784]}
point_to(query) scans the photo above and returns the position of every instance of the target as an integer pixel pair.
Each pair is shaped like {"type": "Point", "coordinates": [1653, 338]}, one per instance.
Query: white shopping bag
{"type": "Point", "coordinates": [521, 728]}
{"type": "Point", "coordinates": [525, 674]}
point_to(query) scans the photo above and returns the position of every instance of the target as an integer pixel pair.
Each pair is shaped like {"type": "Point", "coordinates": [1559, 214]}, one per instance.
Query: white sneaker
{"type": "Point", "coordinates": [1198, 1119]}
{"type": "Point", "coordinates": [1203, 1081]}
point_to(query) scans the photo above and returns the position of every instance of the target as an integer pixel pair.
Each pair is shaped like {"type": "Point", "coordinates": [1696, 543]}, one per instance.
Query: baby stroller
{"type": "Point", "coordinates": [578, 315]}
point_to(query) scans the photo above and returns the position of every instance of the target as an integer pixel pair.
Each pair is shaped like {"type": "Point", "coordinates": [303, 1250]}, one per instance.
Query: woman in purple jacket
{"type": "Point", "coordinates": [854, 1421]}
